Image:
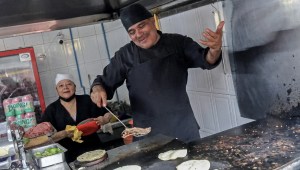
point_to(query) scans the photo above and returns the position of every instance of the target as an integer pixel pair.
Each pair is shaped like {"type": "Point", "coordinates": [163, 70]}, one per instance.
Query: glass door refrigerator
{"type": "Point", "coordinates": [19, 80]}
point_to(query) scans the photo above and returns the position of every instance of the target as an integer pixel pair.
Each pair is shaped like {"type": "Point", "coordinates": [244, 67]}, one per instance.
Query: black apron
{"type": "Point", "coordinates": [157, 92]}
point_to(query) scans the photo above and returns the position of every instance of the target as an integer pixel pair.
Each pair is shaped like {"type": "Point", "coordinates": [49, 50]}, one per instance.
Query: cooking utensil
{"type": "Point", "coordinates": [115, 117]}
{"type": "Point", "coordinates": [135, 131]}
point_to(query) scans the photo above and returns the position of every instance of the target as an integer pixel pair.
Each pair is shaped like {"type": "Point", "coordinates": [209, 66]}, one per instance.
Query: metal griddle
{"type": "Point", "coordinates": [270, 143]}
{"type": "Point", "coordinates": [148, 159]}
{"type": "Point", "coordinates": [143, 153]}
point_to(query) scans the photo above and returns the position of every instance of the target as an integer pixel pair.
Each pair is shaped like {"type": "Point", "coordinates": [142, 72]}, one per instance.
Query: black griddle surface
{"type": "Point", "coordinates": [270, 143]}
{"type": "Point", "coordinates": [148, 159]}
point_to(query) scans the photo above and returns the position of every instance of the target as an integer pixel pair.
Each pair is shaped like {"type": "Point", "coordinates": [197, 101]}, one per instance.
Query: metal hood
{"type": "Point", "coordinates": [30, 16]}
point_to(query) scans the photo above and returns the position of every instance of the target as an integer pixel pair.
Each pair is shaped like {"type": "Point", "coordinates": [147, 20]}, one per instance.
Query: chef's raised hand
{"type": "Point", "coordinates": [213, 40]}
{"type": "Point", "coordinates": [99, 96]}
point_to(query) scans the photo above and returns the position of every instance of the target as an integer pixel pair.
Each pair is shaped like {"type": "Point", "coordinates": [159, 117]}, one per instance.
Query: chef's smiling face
{"type": "Point", "coordinates": [65, 88]}
{"type": "Point", "coordinates": [144, 33]}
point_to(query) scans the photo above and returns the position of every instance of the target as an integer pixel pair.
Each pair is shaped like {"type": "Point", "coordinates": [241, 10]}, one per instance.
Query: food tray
{"type": "Point", "coordinates": [48, 160]}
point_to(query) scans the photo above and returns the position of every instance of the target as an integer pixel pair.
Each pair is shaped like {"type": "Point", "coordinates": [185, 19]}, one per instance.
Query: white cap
{"type": "Point", "coordinates": [60, 77]}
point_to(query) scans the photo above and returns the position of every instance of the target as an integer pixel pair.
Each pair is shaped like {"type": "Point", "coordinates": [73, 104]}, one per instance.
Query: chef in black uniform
{"type": "Point", "coordinates": [71, 109]}
{"type": "Point", "coordinates": [155, 67]}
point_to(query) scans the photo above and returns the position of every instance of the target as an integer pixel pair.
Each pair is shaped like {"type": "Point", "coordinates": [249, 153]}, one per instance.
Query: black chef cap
{"type": "Point", "coordinates": [133, 14]}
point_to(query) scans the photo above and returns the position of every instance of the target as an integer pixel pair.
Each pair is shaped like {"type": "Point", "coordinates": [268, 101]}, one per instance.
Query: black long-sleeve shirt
{"type": "Point", "coordinates": [116, 72]}
{"type": "Point", "coordinates": [156, 79]}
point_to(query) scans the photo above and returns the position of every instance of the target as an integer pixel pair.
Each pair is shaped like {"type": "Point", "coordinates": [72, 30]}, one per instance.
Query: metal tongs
{"type": "Point", "coordinates": [115, 117]}
{"type": "Point", "coordinates": [136, 132]}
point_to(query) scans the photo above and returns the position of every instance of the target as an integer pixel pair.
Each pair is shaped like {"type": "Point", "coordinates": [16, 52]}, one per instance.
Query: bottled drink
{"type": "Point", "coordinates": [28, 103]}
{"type": "Point", "coordinates": [10, 118]}
{"type": "Point", "coordinates": [20, 116]}
{"type": "Point", "coordinates": [8, 109]}
{"type": "Point", "coordinates": [30, 119]}
{"type": "Point", "coordinates": [17, 105]}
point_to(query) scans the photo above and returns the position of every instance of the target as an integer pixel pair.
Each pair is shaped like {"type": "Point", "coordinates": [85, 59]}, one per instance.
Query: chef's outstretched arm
{"type": "Point", "coordinates": [214, 42]}
{"type": "Point", "coordinates": [99, 96]}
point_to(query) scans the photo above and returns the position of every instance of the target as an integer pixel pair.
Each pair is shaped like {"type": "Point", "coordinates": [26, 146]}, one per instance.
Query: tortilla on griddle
{"type": "Point", "coordinates": [172, 154]}
{"type": "Point", "coordinates": [129, 167]}
{"type": "Point", "coordinates": [91, 155]}
{"type": "Point", "coordinates": [194, 165]}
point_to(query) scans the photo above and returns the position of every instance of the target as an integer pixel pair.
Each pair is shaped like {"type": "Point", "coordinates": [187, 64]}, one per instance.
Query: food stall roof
{"type": "Point", "coordinates": [30, 16]}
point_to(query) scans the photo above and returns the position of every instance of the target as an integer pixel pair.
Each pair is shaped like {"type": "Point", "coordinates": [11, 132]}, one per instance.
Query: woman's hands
{"type": "Point", "coordinates": [102, 120]}
{"type": "Point", "coordinates": [61, 135]}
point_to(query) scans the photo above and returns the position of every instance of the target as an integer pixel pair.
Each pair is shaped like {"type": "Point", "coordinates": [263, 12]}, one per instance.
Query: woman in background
{"type": "Point", "coordinates": [71, 109]}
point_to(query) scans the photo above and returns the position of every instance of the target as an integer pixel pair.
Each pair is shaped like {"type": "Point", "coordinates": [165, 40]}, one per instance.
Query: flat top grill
{"type": "Point", "coordinates": [270, 143]}
{"type": "Point", "coordinates": [265, 144]}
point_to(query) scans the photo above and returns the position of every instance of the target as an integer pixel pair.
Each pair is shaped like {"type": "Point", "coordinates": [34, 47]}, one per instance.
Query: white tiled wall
{"type": "Point", "coordinates": [211, 92]}
{"type": "Point", "coordinates": [90, 51]}
{"type": "Point", "coordinates": [2, 47]}
{"type": "Point", "coordinates": [13, 43]}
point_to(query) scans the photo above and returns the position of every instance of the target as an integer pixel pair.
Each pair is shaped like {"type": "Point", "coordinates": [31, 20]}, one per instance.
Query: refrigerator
{"type": "Point", "coordinates": [18, 77]}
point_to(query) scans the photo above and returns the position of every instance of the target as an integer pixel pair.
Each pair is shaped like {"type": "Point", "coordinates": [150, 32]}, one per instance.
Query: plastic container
{"type": "Point", "coordinates": [48, 160]}
{"type": "Point", "coordinates": [129, 139]}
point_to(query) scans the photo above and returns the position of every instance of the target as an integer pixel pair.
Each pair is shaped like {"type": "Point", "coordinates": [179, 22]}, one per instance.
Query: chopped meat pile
{"type": "Point", "coordinates": [44, 128]}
